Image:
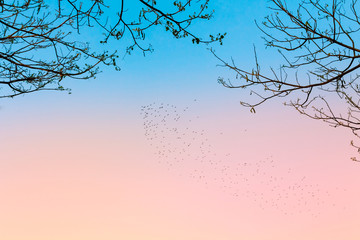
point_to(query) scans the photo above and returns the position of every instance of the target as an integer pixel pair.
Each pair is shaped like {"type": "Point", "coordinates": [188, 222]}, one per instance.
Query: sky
{"type": "Point", "coordinates": [161, 151]}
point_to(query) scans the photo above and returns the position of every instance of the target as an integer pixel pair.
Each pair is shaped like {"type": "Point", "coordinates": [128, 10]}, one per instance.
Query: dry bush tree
{"type": "Point", "coordinates": [40, 44]}
{"type": "Point", "coordinates": [319, 44]}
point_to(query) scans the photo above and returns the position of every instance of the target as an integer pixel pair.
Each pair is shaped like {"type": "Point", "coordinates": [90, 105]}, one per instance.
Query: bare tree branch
{"type": "Point", "coordinates": [39, 39]}
{"type": "Point", "coordinates": [318, 41]}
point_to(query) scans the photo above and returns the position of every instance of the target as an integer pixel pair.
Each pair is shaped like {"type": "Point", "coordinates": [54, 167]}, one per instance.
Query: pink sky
{"type": "Point", "coordinates": [100, 177]}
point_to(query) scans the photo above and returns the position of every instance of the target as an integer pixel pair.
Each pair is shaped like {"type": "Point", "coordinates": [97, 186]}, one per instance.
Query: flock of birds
{"type": "Point", "coordinates": [182, 145]}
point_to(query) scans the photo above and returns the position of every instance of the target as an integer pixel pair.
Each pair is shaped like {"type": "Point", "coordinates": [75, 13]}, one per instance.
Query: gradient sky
{"type": "Point", "coordinates": [161, 151]}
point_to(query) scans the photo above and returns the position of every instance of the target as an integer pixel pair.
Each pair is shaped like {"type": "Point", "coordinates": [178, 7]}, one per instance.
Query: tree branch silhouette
{"type": "Point", "coordinates": [318, 42]}
{"type": "Point", "coordinates": [41, 41]}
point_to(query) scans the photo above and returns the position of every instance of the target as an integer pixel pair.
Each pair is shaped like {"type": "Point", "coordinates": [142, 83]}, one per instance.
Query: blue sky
{"type": "Point", "coordinates": [89, 171]}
